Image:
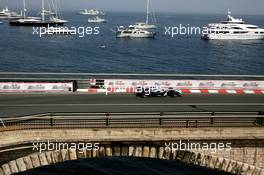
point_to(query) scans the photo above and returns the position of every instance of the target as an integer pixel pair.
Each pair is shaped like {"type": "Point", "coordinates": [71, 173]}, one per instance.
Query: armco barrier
{"type": "Point", "coordinates": [36, 87]}
{"type": "Point", "coordinates": [130, 85]}
{"type": "Point", "coordinates": [189, 84]}
{"type": "Point", "coordinates": [185, 86]}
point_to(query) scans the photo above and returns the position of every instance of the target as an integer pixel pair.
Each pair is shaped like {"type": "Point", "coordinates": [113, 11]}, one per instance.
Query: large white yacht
{"type": "Point", "coordinates": [7, 14]}
{"type": "Point", "coordinates": [132, 32]}
{"type": "Point", "coordinates": [4, 13]}
{"type": "Point", "coordinates": [232, 28]}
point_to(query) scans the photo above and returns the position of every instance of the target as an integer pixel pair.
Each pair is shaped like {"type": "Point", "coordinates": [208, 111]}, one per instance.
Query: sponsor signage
{"type": "Point", "coordinates": [35, 87]}
{"type": "Point", "coordinates": [186, 84]}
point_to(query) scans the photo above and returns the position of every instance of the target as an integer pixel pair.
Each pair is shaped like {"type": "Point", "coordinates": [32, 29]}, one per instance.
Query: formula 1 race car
{"type": "Point", "coordinates": [157, 92]}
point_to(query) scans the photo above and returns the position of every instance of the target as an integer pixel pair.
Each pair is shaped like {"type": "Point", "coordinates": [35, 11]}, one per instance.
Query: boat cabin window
{"type": "Point", "coordinates": [240, 32]}
{"type": "Point", "coordinates": [223, 32]}
{"type": "Point", "coordinates": [237, 28]}
{"type": "Point", "coordinates": [252, 27]}
{"type": "Point", "coordinates": [230, 22]}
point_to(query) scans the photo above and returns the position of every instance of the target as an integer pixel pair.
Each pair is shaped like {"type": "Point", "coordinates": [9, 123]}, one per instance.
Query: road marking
{"type": "Point", "coordinates": [249, 92]}
{"type": "Point", "coordinates": [213, 91]}
{"type": "Point", "coordinates": [231, 91]}
{"type": "Point", "coordinates": [195, 91]}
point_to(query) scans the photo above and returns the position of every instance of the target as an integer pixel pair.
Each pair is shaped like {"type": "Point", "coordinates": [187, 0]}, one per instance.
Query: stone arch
{"type": "Point", "coordinates": [194, 158]}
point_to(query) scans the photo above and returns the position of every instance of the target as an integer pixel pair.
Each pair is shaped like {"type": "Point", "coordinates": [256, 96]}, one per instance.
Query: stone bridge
{"type": "Point", "coordinates": [242, 148]}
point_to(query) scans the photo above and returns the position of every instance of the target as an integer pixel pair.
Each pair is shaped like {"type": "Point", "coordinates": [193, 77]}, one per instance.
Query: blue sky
{"type": "Point", "coordinates": [178, 6]}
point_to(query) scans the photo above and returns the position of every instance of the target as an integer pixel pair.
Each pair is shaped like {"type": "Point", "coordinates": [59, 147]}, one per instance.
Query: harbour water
{"type": "Point", "coordinates": [21, 51]}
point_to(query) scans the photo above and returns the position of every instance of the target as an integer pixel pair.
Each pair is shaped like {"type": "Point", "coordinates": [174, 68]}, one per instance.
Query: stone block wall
{"type": "Point", "coordinates": [134, 150]}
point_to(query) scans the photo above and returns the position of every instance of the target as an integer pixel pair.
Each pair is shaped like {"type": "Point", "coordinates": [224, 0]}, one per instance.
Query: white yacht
{"type": "Point", "coordinates": [4, 13]}
{"type": "Point", "coordinates": [97, 19]}
{"type": "Point", "coordinates": [7, 14]}
{"type": "Point", "coordinates": [147, 25]}
{"type": "Point", "coordinates": [36, 21]}
{"type": "Point", "coordinates": [132, 32]}
{"type": "Point", "coordinates": [91, 12]}
{"type": "Point", "coordinates": [232, 28]}
{"type": "Point", "coordinates": [57, 20]}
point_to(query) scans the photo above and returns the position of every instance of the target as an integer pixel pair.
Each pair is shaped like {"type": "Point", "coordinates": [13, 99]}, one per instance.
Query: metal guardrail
{"type": "Point", "coordinates": [135, 120]}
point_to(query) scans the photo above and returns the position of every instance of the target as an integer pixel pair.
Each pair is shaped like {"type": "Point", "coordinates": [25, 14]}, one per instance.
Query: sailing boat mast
{"type": "Point", "coordinates": [43, 11]}
{"type": "Point", "coordinates": [24, 9]}
{"type": "Point", "coordinates": [147, 19]}
{"type": "Point", "coordinates": [56, 8]}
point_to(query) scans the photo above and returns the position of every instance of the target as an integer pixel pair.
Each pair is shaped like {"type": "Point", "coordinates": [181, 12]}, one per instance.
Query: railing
{"type": "Point", "coordinates": [134, 120]}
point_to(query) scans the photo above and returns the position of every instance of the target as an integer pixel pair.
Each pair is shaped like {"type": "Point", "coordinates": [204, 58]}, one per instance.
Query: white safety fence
{"type": "Point", "coordinates": [186, 86]}
{"type": "Point", "coordinates": [36, 87]}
